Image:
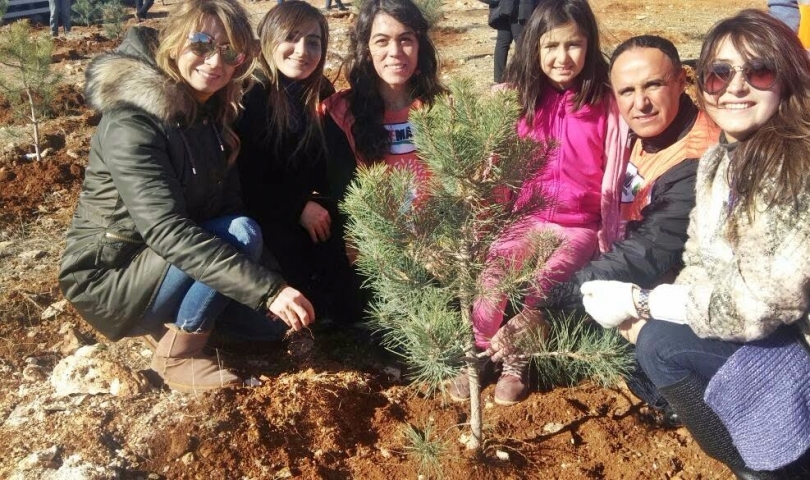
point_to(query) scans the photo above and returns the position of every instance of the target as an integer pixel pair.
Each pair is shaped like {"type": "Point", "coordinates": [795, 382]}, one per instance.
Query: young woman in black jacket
{"type": "Point", "coordinates": [282, 160]}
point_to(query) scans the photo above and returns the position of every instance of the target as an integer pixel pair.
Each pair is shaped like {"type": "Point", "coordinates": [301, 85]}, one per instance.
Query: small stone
{"type": "Point", "coordinates": [43, 458]}
{"type": "Point", "coordinates": [32, 255]}
{"type": "Point", "coordinates": [54, 309]}
{"type": "Point", "coordinates": [34, 373]}
{"type": "Point", "coordinates": [502, 455]}
{"type": "Point", "coordinates": [393, 372]}
{"type": "Point", "coordinates": [188, 458]}
{"type": "Point", "coordinates": [385, 453]}
{"type": "Point", "coordinates": [553, 427]}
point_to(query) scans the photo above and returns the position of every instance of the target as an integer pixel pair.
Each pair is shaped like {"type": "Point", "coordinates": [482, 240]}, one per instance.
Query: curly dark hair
{"type": "Point", "coordinates": [366, 103]}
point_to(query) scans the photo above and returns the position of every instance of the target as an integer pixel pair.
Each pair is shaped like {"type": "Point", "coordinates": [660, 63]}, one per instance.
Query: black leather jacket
{"type": "Point", "coordinates": [156, 170]}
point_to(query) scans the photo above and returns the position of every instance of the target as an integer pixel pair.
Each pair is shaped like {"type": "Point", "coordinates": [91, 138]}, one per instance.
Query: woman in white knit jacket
{"type": "Point", "coordinates": [747, 276]}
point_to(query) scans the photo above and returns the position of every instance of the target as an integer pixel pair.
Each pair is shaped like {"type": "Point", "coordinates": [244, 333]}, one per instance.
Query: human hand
{"type": "Point", "coordinates": [293, 308]}
{"type": "Point", "coordinates": [505, 342]}
{"type": "Point", "coordinates": [315, 219]}
{"type": "Point", "coordinates": [608, 302]}
{"type": "Point", "coordinates": [631, 328]}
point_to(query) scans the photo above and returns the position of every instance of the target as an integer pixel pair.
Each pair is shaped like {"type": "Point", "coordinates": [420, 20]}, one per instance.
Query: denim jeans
{"type": "Point", "coordinates": [339, 3]}
{"type": "Point", "coordinates": [195, 307]}
{"type": "Point", "coordinates": [60, 11]}
{"type": "Point", "coordinates": [787, 11]}
{"type": "Point", "coordinates": [669, 352]}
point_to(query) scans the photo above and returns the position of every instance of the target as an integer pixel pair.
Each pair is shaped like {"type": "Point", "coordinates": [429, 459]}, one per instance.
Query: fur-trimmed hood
{"type": "Point", "coordinates": [129, 77]}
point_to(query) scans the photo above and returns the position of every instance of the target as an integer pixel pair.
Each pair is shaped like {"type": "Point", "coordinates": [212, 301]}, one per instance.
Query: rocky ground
{"type": "Point", "coordinates": [74, 406]}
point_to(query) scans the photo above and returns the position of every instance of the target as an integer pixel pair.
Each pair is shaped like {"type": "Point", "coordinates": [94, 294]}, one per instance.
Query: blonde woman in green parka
{"type": "Point", "coordinates": [158, 236]}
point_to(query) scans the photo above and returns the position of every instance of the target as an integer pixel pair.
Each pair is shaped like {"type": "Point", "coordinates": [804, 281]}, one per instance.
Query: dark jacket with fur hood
{"type": "Point", "coordinates": [153, 175]}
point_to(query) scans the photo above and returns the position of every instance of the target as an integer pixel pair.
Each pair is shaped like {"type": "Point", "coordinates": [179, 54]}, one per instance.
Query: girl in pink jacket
{"type": "Point", "coordinates": [561, 78]}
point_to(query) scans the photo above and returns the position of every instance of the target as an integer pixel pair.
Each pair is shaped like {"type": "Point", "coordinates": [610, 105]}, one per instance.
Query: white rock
{"type": "Point", "coordinates": [53, 310]}
{"type": "Point", "coordinates": [502, 455]}
{"type": "Point", "coordinates": [91, 375]}
{"type": "Point", "coordinates": [553, 427]}
{"type": "Point", "coordinates": [32, 255]}
{"type": "Point", "coordinates": [43, 458]}
{"type": "Point", "coordinates": [34, 373]}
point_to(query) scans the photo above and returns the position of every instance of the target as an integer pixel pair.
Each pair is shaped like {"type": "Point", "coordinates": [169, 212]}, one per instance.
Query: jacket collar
{"type": "Point", "coordinates": [130, 78]}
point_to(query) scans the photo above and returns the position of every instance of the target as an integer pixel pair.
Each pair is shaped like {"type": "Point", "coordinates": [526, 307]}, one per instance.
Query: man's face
{"type": "Point", "coordinates": [648, 90]}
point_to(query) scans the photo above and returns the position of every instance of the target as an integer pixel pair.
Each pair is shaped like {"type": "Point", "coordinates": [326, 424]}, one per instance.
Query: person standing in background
{"type": "Point", "coordinates": [508, 17]}
{"type": "Point", "coordinates": [60, 11]}
{"type": "Point", "coordinates": [142, 8]}
{"type": "Point", "coordinates": [787, 11]}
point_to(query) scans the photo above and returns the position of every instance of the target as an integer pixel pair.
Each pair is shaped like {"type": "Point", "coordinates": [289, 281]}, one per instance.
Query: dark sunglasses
{"type": "Point", "coordinates": [718, 76]}
{"type": "Point", "coordinates": [203, 45]}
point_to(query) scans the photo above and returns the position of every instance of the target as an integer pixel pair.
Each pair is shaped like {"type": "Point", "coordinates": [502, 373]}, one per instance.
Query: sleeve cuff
{"type": "Point", "coordinates": [668, 303]}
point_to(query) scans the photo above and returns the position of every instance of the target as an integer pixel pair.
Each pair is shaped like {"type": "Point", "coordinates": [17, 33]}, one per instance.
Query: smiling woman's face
{"type": "Point", "coordinates": [394, 50]}
{"type": "Point", "coordinates": [206, 75]}
{"type": "Point", "coordinates": [740, 109]}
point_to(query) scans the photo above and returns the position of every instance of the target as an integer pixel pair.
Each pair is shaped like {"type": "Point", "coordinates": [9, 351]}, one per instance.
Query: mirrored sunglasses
{"type": "Point", "coordinates": [718, 76]}
{"type": "Point", "coordinates": [203, 45]}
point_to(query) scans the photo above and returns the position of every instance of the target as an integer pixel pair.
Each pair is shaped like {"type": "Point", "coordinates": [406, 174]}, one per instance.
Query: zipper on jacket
{"type": "Point", "coordinates": [188, 149]}
{"type": "Point", "coordinates": [122, 238]}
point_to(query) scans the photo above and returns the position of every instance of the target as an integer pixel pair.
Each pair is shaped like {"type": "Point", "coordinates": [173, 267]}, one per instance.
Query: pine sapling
{"type": "Point", "coordinates": [424, 244]}
{"type": "Point", "coordinates": [32, 84]}
{"type": "Point", "coordinates": [113, 15]}
{"type": "Point", "coordinates": [87, 12]}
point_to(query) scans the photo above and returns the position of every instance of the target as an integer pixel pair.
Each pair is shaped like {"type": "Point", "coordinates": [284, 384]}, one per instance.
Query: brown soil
{"type": "Point", "coordinates": [337, 411]}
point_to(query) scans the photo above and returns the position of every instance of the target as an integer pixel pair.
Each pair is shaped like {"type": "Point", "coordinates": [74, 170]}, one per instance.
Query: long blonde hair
{"type": "Point", "coordinates": [190, 14]}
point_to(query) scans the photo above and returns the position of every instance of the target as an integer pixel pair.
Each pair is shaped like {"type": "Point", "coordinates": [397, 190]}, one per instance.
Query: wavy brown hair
{"type": "Point", "coordinates": [189, 15]}
{"type": "Point", "coordinates": [772, 166]}
{"type": "Point", "coordinates": [277, 26]}
{"type": "Point", "coordinates": [524, 71]}
{"type": "Point", "coordinates": [366, 104]}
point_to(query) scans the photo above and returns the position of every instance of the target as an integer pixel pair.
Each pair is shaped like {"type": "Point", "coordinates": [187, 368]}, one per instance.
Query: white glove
{"type": "Point", "coordinates": [608, 302]}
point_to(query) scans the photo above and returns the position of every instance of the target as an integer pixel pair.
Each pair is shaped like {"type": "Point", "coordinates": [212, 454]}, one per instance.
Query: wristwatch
{"type": "Point", "coordinates": [643, 304]}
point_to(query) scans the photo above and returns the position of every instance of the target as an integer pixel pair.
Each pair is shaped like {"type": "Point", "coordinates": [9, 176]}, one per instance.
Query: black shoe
{"type": "Point", "coordinates": [671, 418]}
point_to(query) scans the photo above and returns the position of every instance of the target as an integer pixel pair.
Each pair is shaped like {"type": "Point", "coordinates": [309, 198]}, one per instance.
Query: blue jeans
{"type": "Point", "coordinates": [60, 11]}
{"type": "Point", "coordinates": [668, 353]}
{"type": "Point", "coordinates": [785, 10]}
{"type": "Point", "coordinates": [195, 307]}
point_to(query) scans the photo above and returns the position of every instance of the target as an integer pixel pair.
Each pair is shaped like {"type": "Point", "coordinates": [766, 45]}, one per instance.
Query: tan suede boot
{"type": "Point", "coordinates": [179, 360]}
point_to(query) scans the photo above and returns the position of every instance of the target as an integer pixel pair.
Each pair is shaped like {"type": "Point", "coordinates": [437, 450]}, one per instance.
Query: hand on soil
{"type": "Point", "coordinates": [293, 308]}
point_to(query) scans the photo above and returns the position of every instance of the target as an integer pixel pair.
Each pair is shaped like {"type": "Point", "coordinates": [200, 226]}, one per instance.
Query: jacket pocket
{"type": "Point", "coordinates": [117, 249]}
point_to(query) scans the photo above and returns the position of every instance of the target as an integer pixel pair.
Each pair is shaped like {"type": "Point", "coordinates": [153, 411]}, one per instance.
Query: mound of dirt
{"type": "Point", "coordinates": [335, 407]}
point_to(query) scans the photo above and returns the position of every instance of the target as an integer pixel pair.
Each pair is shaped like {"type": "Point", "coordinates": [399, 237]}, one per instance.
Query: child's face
{"type": "Point", "coordinates": [298, 55]}
{"type": "Point", "coordinates": [562, 54]}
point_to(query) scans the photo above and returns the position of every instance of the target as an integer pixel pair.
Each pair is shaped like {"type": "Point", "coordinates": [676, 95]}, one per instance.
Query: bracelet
{"type": "Point", "coordinates": [643, 306]}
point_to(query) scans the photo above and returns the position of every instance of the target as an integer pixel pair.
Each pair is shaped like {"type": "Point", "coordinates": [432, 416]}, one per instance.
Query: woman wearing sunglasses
{"type": "Point", "coordinates": [733, 329]}
{"type": "Point", "coordinates": [157, 236]}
